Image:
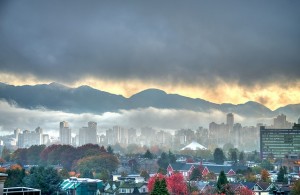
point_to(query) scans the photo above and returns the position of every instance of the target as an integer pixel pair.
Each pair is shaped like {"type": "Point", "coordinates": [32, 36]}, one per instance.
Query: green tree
{"type": "Point", "coordinates": [86, 173]}
{"type": "Point", "coordinates": [98, 163]}
{"type": "Point", "coordinates": [266, 164]}
{"type": "Point", "coordinates": [222, 181]}
{"type": "Point", "coordinates": [163, 161]}
{"type": "Point", "coordinates": [64, 173]}
{"type": "Point", "coordinates": [281, 175]}
{"type": "Point", "coordinates": [196, 175]}
{"type": "Point", "coordinates": [110, 150]}
{"type": "Point", "coordinates": [219, 156]}
{"type": "Point", "coordinates": [233, 154]}
{"type": "Point", "coordinates": [6, 154]}
{"type": "Point", "coordinates": [242, 157]}
{"type": "Point", "coordinates": [45, 178]}
{"type": "Point", "coordinates": [172, 157]}
{"type": "Point", "coordinates": [14, 178]}
{"type": "Point", "coordinates": [145, 174]}
{"type": "Point", "coordinates": [296, 188]}
{"type": "Point", "coordinates": [148, 155]}
{"type": "Point", "coordinates": [160, 187]}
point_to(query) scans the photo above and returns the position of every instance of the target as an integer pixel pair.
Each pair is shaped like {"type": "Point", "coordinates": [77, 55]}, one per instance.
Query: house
{"type": "Point", "coordinates": [261, 188]}
{"type": "Point", "coordinates": [183, 168]}
{"type": "Point", "coordinates": [129, 187]}
{"type": "Point", "coordinates": [111, 188]}
{"type": "Point", "coordinates": [82, 186]}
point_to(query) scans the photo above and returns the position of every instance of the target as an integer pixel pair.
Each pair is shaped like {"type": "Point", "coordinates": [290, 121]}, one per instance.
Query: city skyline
{"type": "Point", "coordinates": [224, 52]}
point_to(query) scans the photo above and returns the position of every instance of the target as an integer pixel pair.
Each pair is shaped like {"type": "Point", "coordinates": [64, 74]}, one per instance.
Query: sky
{"type": "Point", "coordinates": [220, 51]}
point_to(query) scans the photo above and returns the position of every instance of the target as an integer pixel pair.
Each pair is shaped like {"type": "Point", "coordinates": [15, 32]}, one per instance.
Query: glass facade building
{"type": "Point", "coordinates": [279, 142]}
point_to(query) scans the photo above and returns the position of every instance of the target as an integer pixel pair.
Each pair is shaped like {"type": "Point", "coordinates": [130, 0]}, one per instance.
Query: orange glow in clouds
{"type": "Point", "coordinates": [272, 96]}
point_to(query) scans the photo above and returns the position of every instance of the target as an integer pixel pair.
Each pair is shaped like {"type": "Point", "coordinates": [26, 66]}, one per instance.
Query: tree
{"type": "Point", "coordinates": [45, 178]}
{"type": "Point", "coordinates": [64, 173]}
{"type": "Point", "coordinates": [172, 157]}
{"type": "Point", "coordinates": [281, 175]}
{"type": "Point", "coordinates": [242, 157]}
{"type": "Point", "coordinates": [196, 175]}
{"type": "Point", "coordinates": [97, 163]}
{"type": "Point", "coordinates": [296, 188]}
{"type": "Point", "coordinates": [233, 154]}
{"type": "Point", "coordinates": [266, 164]}
{"type": "Point", "coordinates": [222, 181]}
{"type": "Point", "coordinates": [20, 156]}
{"type": "Point", "coordinates": [219, 156]}
{"type": "Point", "coordinates": [163, 161]}
{"type": "Point", "coordinates": [265, 175]}
{"type": "Point", "coordinates": [86, 173]}
{"type": "Point", "coordinates": [152, 180]}
{"type": "Point", "coordinates": [110, 150]}
{"type": "Point", "coordinates": [145, 175]}
{"type": "Point", "coordinates": [148, 155]}
{"type": "Point", "coordinates": [176, 184]}
{"type": "Point", "coordinates": [5, 154]}
{"type": "Point", "coordinates": [33, 154]}
{"type": "Point", "coordinates": [15, 177]}
{"type": "Point", "coordinates": [160, 187]}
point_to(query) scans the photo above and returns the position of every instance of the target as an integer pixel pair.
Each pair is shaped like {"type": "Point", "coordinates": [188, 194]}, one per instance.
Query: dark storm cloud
{"type": "Point", "coordinates": [171, 41]}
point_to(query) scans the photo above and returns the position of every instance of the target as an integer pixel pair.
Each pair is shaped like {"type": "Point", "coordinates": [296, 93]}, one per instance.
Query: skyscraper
{"type": "Point", "coordinates": [65, 133]}
{"type": "Point", "coordinates": [88, 135]}
{"type": "Point", "coordinates": [230, 121]}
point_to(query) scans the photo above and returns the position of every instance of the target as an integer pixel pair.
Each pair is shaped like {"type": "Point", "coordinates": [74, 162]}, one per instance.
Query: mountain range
{"type": "Point", "coordinates": [55, 96]}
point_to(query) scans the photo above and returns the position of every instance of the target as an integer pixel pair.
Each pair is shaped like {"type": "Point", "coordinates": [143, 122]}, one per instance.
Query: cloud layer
{"type": "Point", "coordinates": [160, 119]}
{"type": "Point", "coordinates": [198, 43]}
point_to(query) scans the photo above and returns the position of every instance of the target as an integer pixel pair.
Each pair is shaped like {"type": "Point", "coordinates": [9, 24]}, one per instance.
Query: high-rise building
{"type": "Point", "coordinates": [279, 142]}
{"type": "Point", "coordinates": [88, 135]}
{"type": "Point", "coordinates": [230, 121]}
{"type": "Point", "coordinates": [65, 133]}
{"type": "Point", "coordinates": [91, 136]}
{"type": "Point", "coordinates": [29, 138]}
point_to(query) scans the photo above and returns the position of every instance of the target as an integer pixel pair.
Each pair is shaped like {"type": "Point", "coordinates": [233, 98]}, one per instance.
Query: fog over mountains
{"type": "Point", "coordinates": [85, 99]}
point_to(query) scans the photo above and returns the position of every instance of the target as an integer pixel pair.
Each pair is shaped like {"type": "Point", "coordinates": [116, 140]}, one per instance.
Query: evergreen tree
{"type": "Point", "coordinates": [281, 175]}
{"type": "Point", "coordinates": [160, 187]}
{"type": "Point", "coordinates": [148, 155]}
{"type": "Point", "coordinates": [219, 156]}
{"type": "Point", "coordinates": [110, 150]}
{"type": "Point", "coordinates": [196, 175]}
{"type": "Point", "coordinates": [172, 158]}
{"type": "Point", "coordinates": [5, 154]}
{"type": "Point", "coordinates": [47, 179]}
{"type": "Point", "coordinates": [222, 181]}
{"type": "Point", "coordinates": [14, 178]}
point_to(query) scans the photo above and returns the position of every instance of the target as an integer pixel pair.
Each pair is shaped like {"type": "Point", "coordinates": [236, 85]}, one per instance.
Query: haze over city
{"type": "Point", "coordinates": [223, 52]}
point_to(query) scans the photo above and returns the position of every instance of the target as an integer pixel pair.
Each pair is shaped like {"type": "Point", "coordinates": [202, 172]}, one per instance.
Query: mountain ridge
{"type": "Point", "coordinates": [56, 96]}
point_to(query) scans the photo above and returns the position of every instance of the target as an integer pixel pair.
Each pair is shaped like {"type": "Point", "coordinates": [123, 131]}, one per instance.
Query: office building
{"type": "Point", "coordinates": [65, 133]}
{"type": "Point", "coordinates": [279, 142]}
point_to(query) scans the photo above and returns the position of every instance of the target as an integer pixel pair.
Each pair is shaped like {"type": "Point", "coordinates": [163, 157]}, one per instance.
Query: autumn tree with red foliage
{"type": "Point", "coordinates": [152, 180]}
{"type": "Point", "coordinates": [176, 184]}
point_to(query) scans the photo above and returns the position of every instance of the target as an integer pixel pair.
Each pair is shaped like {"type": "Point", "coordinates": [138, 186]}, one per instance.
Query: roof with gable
{"type": "Point", "coordinates": [194, 146]}
{"type": "Point", "coordinates": [180, 166]}
{"type": "Point", "coordinates": [249, 185]}
{"type": "Point", "coordinates": [264, 185]}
